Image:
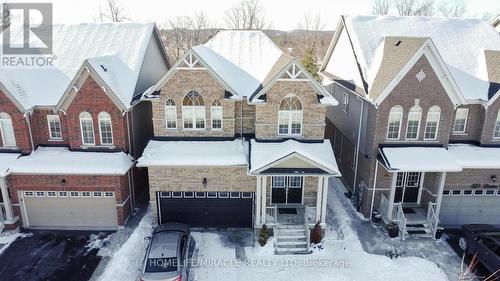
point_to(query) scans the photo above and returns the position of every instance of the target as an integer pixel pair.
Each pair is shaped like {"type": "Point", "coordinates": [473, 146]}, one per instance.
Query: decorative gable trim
{"type": "Point", "coordinates": [291, 156]}
{"type": "Point", "coordinates": [294, 73]}
{"type": "Point", "coordinates": [190, 62]}
{"type": "Point", "coordinates": [430, 51]}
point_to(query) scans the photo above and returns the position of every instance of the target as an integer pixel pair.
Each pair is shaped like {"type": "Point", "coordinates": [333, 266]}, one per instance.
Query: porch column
{"type": "Point", "coordinates": [391, 196]}
{"type": "Point", "coordinates": [319, 199]}
{"type": "Point", "coordinates": [442, 180]}
{"type": "Point", "coordinates": [9, 212]}
{"type": "Point", "coordinates": [258, 215]}
{"type": "Point", "coordinates": [325, 196]}
{"type": "Point", "coordinates": [263, 197]}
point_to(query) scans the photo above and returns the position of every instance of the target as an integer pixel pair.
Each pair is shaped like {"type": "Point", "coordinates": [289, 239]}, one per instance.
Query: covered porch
{"type": "Point", "coordinates": [417, 180]}
{"type": "Point", "coordinates": [7, 217]}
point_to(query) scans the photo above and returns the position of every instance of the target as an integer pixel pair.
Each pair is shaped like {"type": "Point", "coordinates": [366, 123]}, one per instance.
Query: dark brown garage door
{"type": "Point", "coordinates": [206, 209]}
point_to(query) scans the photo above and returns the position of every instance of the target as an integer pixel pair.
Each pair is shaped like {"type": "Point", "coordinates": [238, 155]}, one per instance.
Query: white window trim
{"type": "Point", "coordinates": [184, 194]}
{"type": "Point", "coordinates": [81, 130]}
{"type": "Point", "coordinates": [465, 122]}
{"type": "Point", "coordinates": [3, 134]}
{"type": "Point", "coordinates": [42, 193]}
{"type": "Point", "coordinates": [401, 113]}
{"type": "Point", "coordinates": [438, 113]}
{"type": "Point", "coordinates": [97, 194]}
{"type": "Point", "coordinates": [111, 128]}
{"type": "Point", "coordinates": [290, 114]}
{"type": "Point", "coordinates": [418, 127]}
{"type": "Point", "coordinates": [184, 107]}
{"type": "Point", "coordinates": [212, 107]}
{"type": "Point", "coordinates": [51, 137]}
{"type": "Point", "coordinates": [174, 107]}
{"type": "Point", "coordinates": [459, 194]}
{"type": "Point", "coordinates": [62, 192]}
{"type": "Point", "coordinates": [49, 194]}
{"type": "Point", "coordinates": [29, 193]}
{"type": "Point", "coordinates": [109, 194]}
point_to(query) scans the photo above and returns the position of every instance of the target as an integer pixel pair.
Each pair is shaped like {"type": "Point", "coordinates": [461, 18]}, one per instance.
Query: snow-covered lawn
{"type": "Point", "coordinates": [343, 257]}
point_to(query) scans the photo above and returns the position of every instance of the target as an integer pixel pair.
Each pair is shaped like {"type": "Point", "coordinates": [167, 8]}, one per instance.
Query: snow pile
{"type": "Point", "coordinates": [98, 241]}
{"type": "Point", "coordinates": [7, 237]}
{"type": "Point", "coordinates": [126, 263]}
{"type": "Point", "coordinates": [264, 153]}
{"type": "Point", "coordinates": [60, 160]}
{"type": "Point", "coordinates": [466, 63]}
{"type": "Point", "coordinates": [194, 153]}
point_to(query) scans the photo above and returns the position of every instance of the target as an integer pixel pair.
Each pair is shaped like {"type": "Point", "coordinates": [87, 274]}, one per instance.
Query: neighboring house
{"type": "Point", "coordinates": [78, 127]}
{"type": "Point", "coordinates": [239, 138]}
{"type": "Point", "coordinates": [496, 23]}
{"type": "Point", "coordinates": [417, 134]}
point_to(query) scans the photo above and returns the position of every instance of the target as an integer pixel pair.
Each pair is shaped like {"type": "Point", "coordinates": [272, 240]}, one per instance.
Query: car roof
{"type": "Point", "coordinates": [164, 245]}
{"type": "Point", "coordinates": [173, 226]}
{"type": "Point", "coordinates": [492, 235]}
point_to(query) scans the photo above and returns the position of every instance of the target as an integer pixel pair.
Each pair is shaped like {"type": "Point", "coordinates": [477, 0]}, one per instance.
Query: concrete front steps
{"type": "Point", "coordinates": [290, 240]}
{"type": "Point", "coordinates": [418, 231]}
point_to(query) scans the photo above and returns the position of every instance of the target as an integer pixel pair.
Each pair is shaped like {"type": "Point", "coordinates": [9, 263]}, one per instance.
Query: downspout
{"type": "Point", "coordinates": [131, 186]}
{"type": "Point", "coordinates": [357, 146]}
{"type": "Point", "coordinates": [27, 117]}
{"type": "Point", "coordinates": [374, 184]}
{"type": "Point", "coordinates": [241, 121]}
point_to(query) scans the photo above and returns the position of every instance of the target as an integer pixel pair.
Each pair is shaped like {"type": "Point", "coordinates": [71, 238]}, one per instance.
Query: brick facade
{"type": "Point", "coordinates": [19, 123]}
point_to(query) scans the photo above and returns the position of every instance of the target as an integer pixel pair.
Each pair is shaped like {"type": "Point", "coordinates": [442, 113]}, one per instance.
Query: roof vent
{"type": "Point", "coordinates": [397, 43]}
{"type": "Point", "coordinates": [103, 68]}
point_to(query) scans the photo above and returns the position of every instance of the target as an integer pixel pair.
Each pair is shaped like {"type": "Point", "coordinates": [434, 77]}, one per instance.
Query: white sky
{"type": "Point", "coordinates": [283, 14]}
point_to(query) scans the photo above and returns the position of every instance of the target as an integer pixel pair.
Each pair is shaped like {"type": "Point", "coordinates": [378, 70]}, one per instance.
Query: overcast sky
{"type": "Point", "coordinates": [283, 14]}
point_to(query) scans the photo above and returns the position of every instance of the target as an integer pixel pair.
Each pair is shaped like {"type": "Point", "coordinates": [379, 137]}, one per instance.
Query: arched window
{"type": "Point", "coordinates": [394, 123]}
{"type": "Point", "coordinates": [413, 126]}
{"type": "Point", "coordinates": [7, 130]}
{"type": "Point", "coordinates": [170, 114]}
{"type": "Point", "coordinates": [105, 128]}
{"type": "Point", "coordinates": [216, 112]}
{"type": "Point", "coordinates": [290, 116]}
{"type": "Point", "coordinates": [496, 133]}
{"type": "Point", "coordinates": [432, 123]}
{"type": "Point", "coordinates": [87, 128]}
{"type": "Point", "coordinates": [193, 111]}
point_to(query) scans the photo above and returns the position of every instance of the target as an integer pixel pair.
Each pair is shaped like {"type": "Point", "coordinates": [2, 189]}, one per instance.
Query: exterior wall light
{"type": "Point", "coordinates": [204, 182]}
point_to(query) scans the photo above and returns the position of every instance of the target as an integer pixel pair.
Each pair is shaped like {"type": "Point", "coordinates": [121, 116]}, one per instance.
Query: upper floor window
{"type": "Point", "coordinates": [54, 124]}
{"type": "Point", "coordinates": [216, 115]}
{"type": "Point", "coordinates": [496, 133]}
{"type": "Point", "coordinates": [432, 123]}
{"type": "Point", "coordinates": [193, 111]}
{"type": "Point", "coordinates": [290, 116]}
{"type": "Point", "coordinates": [170, 114]}
{"type": "Point", "coordinates": [7, 130]}
{"type": "Point", "coordinates": [345, 103]}
{"type": "Point", "coordinates": [413, 125]}
{"type": "Point", "coordinates": [87, 128]}
{"type": "Point", "coordinates": [460, 124]}
{"type": "Point", "coordinates": [105, 128]}
{"type": "Point", "coordinates": [394, 123]}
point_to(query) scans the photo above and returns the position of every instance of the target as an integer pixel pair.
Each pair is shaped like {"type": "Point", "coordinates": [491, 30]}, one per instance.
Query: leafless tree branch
{"type": "Point", "coordinates": [113, 11]}
{"type": "Point", "coordinates": [381, 7]}
{"type": "Point", "coordinates": [247, 14]}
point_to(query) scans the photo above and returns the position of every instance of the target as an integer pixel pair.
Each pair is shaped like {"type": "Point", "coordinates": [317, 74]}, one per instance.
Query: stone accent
{"type": "Point", "coordinates": [244, 115]}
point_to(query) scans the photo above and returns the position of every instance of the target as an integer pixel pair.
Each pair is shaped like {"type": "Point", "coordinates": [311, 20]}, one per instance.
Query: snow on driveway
{"type": "Point", "coordinates": [9, 236]}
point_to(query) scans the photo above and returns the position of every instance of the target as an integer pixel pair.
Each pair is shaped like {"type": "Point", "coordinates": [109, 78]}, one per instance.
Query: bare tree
{"type": "Point", "coordinates": [452, 8]}
{"type": "Point", "coordinates": [310, 28]}
{"type": "Point", "coordinates": [112, 11]}
{"type": "Point", "coordinates": [247, 14]}
{"type": "Point", "coordinates": [381, 7]}
{"type": "Point", "coordinates": [415, 7]}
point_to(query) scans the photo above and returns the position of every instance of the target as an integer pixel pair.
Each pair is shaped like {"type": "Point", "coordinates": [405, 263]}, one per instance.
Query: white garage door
{"type": "Point", "coordinates": [69, 210]}
{"type": "Point", "coordinates": [461, 207]}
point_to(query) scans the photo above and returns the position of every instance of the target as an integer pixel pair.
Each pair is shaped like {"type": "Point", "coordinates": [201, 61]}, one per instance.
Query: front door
{"type": "Point", "coordinates": [407, 187]}
{"type": "Point", "coordinates": [287, 190]}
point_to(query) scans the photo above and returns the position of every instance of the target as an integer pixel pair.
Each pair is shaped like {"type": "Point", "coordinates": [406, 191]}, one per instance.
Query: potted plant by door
{"type": "Point", "coordinates": [393, 230]}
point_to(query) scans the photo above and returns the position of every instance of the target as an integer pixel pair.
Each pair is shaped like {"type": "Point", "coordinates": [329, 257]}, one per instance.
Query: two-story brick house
{"type": "Point", "coordinates": [239, 138]}
{"type": "Point", "coordinates": [416, 134]}
{"type": "Point", "coordinates": [78, 126]}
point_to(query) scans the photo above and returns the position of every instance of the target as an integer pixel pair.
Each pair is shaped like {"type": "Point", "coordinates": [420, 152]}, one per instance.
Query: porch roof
{"type": "Point", "coordinates": [316, 155]}
{"type": "Point", "coordinates": [194, 153]}
{"type": "Point", "coordinates": [6, 160]}
{"type": "Point", "coordinates": [419, 159]}
{"type": "Point", "coordinates": [476, 157]}
{"type": "Point", "coordinates": [60, 160]}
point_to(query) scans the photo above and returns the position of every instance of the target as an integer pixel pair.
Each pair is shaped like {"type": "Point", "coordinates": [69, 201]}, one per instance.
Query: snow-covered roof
{"type": "Point", "coordinates": [461, 43]}
{"type": "Point", "coordinates": [476, 157]}
{"type": "Point", "coordinates": [265, 153]}
{"type": "Point", "coordinates": [194, 153]}
{"type": "Point", "coordinates": [119, 47]}
{"type": "Point", "coordinates": [6, 160]}
{"type": "Point", "coordinates": [242, 58]}
{"type": "Point", "coordinates": [422, 159]}
{"type": "Point", "coordinates": [60, 160]}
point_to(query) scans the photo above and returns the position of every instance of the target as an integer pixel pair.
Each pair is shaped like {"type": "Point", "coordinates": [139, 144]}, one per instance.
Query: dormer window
{"type": "Point", "coordinates": [193, 111]}
{"type": "Point", "coordinates": [290, 116]}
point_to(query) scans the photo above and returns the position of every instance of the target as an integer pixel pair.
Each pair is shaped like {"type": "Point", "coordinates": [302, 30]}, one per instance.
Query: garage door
{"type": "Point", "coordinates": [206, 209]}
{"type": "Point", "coordinates": [69, 210]}
{"type": "Point", "coordinates": [461, 207]}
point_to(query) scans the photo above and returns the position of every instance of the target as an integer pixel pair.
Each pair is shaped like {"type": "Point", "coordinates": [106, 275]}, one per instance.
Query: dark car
{"type": "Point", "coordinates": [168, 252]}
{"type": "Point", "coordinates": [483, 241]}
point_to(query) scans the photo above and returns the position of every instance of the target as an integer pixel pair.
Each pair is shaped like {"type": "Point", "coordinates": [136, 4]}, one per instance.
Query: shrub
{"type": "Point", "coordinates": [263, 236]}
{"type": "Point", "coordinates": [316, 236]}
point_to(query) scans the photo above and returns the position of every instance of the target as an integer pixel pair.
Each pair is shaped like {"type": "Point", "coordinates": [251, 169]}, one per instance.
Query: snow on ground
{"type": "Point", "coordinates": [9, 236]}
{"type": "Point", "coordinates": [126, 262]}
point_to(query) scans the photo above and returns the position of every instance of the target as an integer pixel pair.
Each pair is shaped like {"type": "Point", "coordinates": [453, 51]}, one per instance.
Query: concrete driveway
{"type": "Point", "coordinates": [51, 255]}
